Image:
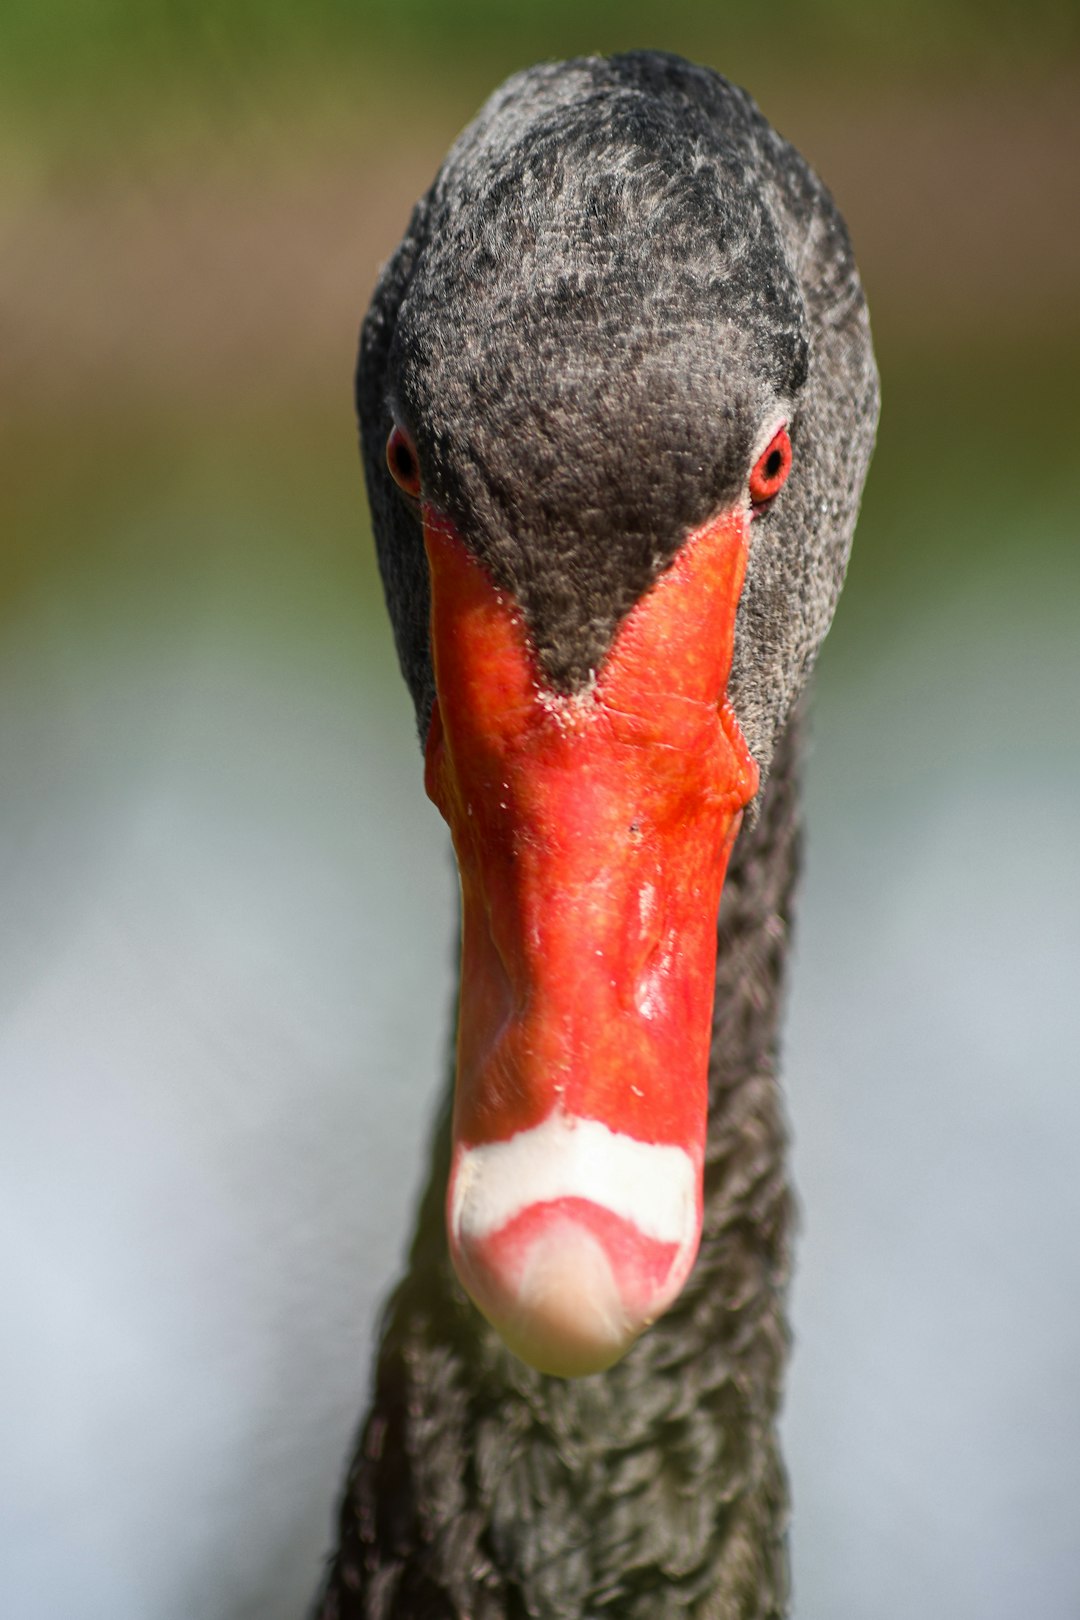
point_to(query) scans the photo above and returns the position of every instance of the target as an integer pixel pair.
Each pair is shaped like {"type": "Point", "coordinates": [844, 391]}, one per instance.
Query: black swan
{"type": "Point", "coordinates": [623, 315]}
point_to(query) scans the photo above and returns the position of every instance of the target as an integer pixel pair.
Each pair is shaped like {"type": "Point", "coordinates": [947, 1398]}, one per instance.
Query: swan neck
{"type": "Point", "coordinates": [470, 1461]}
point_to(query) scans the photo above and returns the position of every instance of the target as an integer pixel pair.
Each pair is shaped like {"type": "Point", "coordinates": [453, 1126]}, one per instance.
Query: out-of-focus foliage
{"type": "Point", "coordinates": [72, 34]}
{"type": "Point", "coordinates": [69, 65]}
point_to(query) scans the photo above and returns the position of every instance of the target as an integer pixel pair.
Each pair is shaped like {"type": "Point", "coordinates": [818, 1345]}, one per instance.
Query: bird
{"type": "Point", "coordinates": [617, 399]}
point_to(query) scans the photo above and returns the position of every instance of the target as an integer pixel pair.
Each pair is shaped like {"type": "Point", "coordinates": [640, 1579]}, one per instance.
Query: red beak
{"type": "Point", "coordinates": [592, 835]}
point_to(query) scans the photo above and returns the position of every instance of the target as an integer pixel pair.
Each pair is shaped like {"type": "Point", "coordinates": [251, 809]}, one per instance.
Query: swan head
{"type": "Point", "coordinates": [617, 400]}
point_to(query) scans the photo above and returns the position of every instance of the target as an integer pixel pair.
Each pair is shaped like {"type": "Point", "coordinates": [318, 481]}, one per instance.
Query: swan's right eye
{"type": "Point", "coordinates": [403, 462]}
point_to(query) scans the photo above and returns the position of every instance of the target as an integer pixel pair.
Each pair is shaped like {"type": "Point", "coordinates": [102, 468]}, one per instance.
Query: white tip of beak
{"type": "Point", "coordinates": [572, 1239]}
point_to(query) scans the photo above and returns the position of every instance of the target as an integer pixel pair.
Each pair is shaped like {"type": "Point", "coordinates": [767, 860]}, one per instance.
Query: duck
{"type": "Point", "coordinates": [617, 399]}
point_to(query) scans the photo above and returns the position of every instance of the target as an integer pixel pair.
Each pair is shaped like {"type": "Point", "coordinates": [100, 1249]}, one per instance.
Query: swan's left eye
{"type": "Point", "coordinates": [771, 468]}
{"type": "Point", "coordinates": [403, 462]}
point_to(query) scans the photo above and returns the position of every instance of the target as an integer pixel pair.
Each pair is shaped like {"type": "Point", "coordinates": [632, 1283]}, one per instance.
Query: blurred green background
{"type": "Point", "coordinates": [225, 953]}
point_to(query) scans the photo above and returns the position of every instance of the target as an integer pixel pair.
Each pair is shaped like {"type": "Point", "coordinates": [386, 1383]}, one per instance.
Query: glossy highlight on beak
{"type": "Point", "coordinates": [592, 833]}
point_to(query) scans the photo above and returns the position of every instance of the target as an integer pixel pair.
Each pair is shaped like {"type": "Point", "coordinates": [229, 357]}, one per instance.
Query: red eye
{"type": "Point", "coordinates": [403, 462]}
{"type": "Point", "coordinates": [771, 468]}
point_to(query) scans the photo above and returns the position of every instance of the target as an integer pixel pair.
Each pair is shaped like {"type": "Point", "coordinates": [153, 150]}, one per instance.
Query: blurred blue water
{"type": "Point", "coordinates": [225, 977]}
